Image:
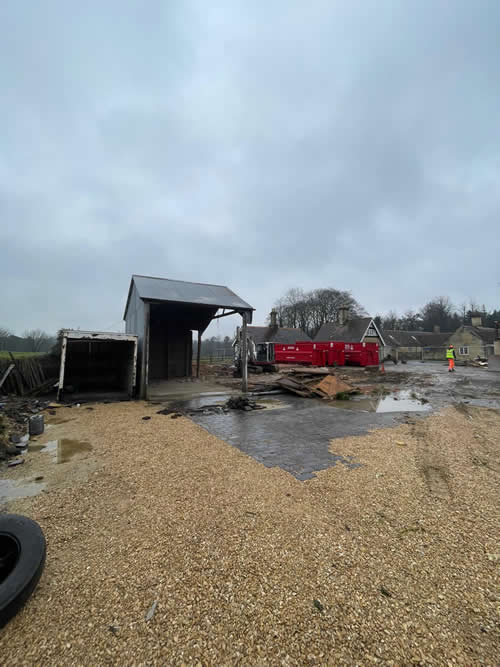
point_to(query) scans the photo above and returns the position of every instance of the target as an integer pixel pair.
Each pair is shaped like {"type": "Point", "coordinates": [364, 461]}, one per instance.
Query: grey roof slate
{"type": "Point", "coordinates": [180, 291]}
{"type": "Point", "coordinates": [399, 338]}
{"type": "Point", "coordinates": [352, 332]}
{"type": "Point", "coordinates": [284, 335]}
{"type": "Point", "coordinates": [486, 334]}
{"type": "Point", "coordinates": [433, 339]}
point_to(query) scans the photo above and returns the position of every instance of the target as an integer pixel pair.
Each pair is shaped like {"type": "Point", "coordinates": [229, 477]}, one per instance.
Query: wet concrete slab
{"type": "Point", "coordinates": [183, 388]}
{"type": "Point", "coordinates": [405, 400]}
{"type": "Point", "coordinates": [64, 449]}
{"type": "Point", "coordinates": [16, 489]}
{"type": "Point", "coordinates": [296, 437]}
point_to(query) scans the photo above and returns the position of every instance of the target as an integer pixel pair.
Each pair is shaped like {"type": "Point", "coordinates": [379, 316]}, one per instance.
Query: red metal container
{"type": "Point", "coordinates": [361, 354]}
{"type": "Point", "coordinates": [291, 354]}
{"type": "Point", "coordinates": [328, 353]}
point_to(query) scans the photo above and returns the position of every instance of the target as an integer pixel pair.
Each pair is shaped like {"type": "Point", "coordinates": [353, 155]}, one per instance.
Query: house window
{"type": "Point", "coordinates": [371, 332]}
{"type": "Point", "coordinates": [463, 350]}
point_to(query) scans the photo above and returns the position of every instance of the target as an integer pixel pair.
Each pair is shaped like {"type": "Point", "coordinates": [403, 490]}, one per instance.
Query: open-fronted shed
{"type": "Point", "coordinates": [163, 313]}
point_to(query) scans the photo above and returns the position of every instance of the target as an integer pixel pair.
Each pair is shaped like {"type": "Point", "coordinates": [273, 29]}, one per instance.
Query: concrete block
{"type": "Point", "coordinates": [494, 363]}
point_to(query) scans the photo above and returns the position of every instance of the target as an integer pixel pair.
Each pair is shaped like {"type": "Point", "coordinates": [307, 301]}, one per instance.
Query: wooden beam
{"type": "Point", "coordinates": [6, 374]}
{"type": "Point", "coordinates": [231, 312]}
{"type": "Point", "coordinates": [145, 354]}
{"type": "Point", "coordinates": [198, 354]}
{"type": "Point", "coordinates": [22, 379]}
{"type": "Point", "coordinates": [244, 354]}
{"type": "Point", "coordinates": [60, 387]}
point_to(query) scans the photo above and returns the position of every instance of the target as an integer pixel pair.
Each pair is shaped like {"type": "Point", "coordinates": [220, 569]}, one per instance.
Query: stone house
{"type": "Point", "coordinates": [422, 345]}
{"type": "Point", "coordinates": [473, 340]}
{"type": "Point", "coordinates": [351, 330]}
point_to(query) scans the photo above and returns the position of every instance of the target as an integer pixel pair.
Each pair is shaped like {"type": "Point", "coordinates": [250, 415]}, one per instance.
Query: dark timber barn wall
{"type": "Point", "coordinates": [170, 342]}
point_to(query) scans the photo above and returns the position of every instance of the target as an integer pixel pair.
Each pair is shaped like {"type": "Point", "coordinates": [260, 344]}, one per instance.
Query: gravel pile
{"type": "Point", "coordinates": [180, 549]}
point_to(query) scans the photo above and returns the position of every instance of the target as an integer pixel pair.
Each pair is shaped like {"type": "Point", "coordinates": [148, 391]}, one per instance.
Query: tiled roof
{"type": "Point", "coordinates": [284, 335]}
{"type": "Point", "coordinates": [351, 332]}
{"type": "Point", "coordinates": [415, 338]}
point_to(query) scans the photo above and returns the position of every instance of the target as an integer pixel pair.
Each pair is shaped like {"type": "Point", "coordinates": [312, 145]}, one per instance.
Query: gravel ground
{"type": "Point", "coordinates": [394, 562]}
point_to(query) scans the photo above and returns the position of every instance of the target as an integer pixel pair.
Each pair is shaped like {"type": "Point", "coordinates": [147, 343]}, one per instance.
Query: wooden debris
{"type": "Point", "coordinates": [6, 374]}
{"type": "Point", "coordinates": [26, 376]}
{"type": "Point", "coordinates": [304, 382]}
{"type": "Point", "coordinates": [295, 386]}
{"type": "Point", "coordinates": [330, 386]}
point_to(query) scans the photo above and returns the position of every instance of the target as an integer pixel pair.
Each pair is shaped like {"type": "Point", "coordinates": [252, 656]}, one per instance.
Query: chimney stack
{"type": "Point", "coordinates": [437, 328]}
{"type": "Point", "coordinates": [476, 321]}
{"type": "Point", "coordinates": [343, 315]}
{"type": "Point", "coordinates": [273, 318]}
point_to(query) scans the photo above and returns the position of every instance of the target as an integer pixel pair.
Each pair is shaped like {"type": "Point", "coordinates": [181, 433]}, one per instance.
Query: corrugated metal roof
{"type": "Point", "coordinates": [180, 291]}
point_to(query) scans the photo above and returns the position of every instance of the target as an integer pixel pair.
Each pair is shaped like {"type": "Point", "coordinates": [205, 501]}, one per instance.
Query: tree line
{"type": "Point", "coordinates": [309, 310]}
{"type": "Point", "coordinates": [440, 312]}
{"type": "Point", "coordinates": [32, 340]}
{"type": "Point", "coordinates": [214, 348]}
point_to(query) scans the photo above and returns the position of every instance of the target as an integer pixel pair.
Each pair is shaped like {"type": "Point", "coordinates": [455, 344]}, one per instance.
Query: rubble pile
{"type": "Point", "coordinates": [243, 403]}
{"type": "Point", "coordinates": [16, 412]}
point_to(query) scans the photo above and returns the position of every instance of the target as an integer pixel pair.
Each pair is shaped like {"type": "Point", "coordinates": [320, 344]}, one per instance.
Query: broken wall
{"type": "Point", "coordinates": [101, 365]}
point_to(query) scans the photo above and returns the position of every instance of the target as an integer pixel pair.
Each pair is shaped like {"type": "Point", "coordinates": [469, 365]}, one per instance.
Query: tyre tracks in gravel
{"type": "Point", "coordinates": [482, 449]}
{"type": "Point", "coordinates": [431, 461]}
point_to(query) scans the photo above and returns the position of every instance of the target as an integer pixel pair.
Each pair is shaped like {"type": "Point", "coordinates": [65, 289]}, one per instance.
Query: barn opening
{"type": "Point", "coordinates": [97, 365]}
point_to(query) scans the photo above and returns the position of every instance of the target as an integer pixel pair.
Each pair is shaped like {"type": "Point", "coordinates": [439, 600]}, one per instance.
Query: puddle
{"type": "Point", "coordinates": [13, 490]}
{"type": "Point", "coordinates": [272, 403]}
{"type": "Point", "coordinates": [64, 449]}
{"type": "Point", "coordinates": [358, 404]}
{"type": "Point", "coordinates": [400, 401]}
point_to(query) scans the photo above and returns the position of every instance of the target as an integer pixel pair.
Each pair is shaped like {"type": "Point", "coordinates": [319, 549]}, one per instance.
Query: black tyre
{"type": "Point", "coordinates": [22, 558]}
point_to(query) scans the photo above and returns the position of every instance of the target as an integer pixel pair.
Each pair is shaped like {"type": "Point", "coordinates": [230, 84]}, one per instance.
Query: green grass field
{"type": "Point", "coordinates": [4, 354]}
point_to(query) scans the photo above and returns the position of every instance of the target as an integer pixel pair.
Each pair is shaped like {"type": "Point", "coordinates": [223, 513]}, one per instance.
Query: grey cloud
{"type": "Point", "coordinates": [263, 147]}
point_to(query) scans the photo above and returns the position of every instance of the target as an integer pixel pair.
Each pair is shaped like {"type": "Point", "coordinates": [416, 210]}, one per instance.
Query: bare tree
{"type": "Point", "coordinates": [37, 340]}
{"type": "Point", "coordinates": [462, 309]}
{"type": "Point", "coordinates": [411, 321]}
{"type": "Point", "coordinates": [440, 311]}
{"type": "Point", "coordinates": [309, 310]}
{"type": "Point", "coordinates": [391, 321]}
{"type": "Point", "coordinates": [4, 333]}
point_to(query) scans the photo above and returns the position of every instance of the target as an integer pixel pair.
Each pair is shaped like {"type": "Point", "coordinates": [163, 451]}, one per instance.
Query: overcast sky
{"type": "Point", "coordinates": [260, 145]}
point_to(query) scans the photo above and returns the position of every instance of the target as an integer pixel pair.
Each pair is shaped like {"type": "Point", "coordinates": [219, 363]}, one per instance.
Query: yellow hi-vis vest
{"type": "Point", "coordinates": [449, 354]}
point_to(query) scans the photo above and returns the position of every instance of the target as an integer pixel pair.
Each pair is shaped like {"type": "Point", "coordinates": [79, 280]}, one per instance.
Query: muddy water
{"type": "Point", "coordinates": [271, 403]}
{"type": "Point", "coordinates": [64, 449]}
{"type": "Point", "coordinates": [13, 490]}
{"type": "Point", "coordinates": [400, 401]}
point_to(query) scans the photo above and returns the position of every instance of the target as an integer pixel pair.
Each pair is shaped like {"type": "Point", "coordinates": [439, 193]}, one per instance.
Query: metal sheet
{"type": "Point", "coordinates": [163, 289]}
